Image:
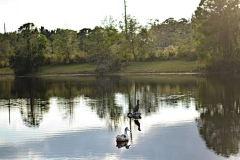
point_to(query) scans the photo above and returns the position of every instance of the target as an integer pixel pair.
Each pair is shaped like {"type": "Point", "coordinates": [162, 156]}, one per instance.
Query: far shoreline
{"type": "Point", "coordinates": [151, 67]}
{"type": "Point", "coordinates": [107, 74]}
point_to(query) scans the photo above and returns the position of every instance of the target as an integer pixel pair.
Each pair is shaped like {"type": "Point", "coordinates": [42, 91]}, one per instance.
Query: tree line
{"type": "Point", "coordinates": [211, 35]}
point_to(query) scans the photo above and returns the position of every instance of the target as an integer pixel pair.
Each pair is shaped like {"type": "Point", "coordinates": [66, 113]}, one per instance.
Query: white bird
{"type": "Point", "coordinates": [123, 137]}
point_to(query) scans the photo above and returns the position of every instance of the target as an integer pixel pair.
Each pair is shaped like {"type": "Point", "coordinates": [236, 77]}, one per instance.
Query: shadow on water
{"type": "Point", "coordinates": [217, 101]}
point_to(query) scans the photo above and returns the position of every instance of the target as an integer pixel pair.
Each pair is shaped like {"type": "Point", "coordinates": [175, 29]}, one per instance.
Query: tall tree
{"type": "Point", "coordinates": [7, 46]}
{"type": "Point", "coordinates": [218, 21]}
{"type": "Point", "coordinates": [46, 32]}
{"type": "Point", "coordinates": [131, 35]}
{"type": "Point", "coordinates": [82, 35]}
{"type": "Point", "coordinates": [102, 46]}
{"type": "Point", "coordinates": [64, 43]}
{"type": "Point", "coordinates": [145, 44]}
{"type": "Point", "coordinates": [30, 50]}
{"type": "Point", "coordinates": [28, 32]}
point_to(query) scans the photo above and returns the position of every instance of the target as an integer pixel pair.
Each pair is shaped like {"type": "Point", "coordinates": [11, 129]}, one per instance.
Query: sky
{"type": "Point", "coordinates": [79, 14]}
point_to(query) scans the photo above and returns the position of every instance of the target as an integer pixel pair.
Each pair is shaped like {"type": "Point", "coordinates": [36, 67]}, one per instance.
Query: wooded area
{"type": "Point", "coordinates": [211, 35]}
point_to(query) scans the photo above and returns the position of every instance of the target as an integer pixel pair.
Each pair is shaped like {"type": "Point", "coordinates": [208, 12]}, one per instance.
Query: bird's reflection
{"type": "Point", "coordinates": [123, 144]}
{"type": "Point", "coordinates": [138, 124]}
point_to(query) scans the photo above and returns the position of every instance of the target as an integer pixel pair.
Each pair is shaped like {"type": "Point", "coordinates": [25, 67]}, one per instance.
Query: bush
{"type": "Point", "coordinates": [4, 63]}
{"type": "Point", "coordinates": [189, 56]}
{"type": "Point", "coordinates": [80, 58]}
{"type": "Point", "coordinates": [20, 65]}
{"type": "Point", "coordinates": [169, 53]}
{"type": "Point", "coordinates": [223, 66]}
{"type": "Point", "coordinates": [161, 55]}
{"type": "Point", "coordinates": [101, 68]}
{"type": "Point", "coordinates": [110, 65]}
{"type": "Point", "coordinates": [115, 65]}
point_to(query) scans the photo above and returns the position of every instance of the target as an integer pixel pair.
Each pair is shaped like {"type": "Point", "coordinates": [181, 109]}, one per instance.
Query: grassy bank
{"type": "Point", "coordinates": [68, 69]}
{"type": "Point", "coordinates": [163, 66]}
{"type": "Point", "coordinates": [6, 70]}
{"type": "Point", "coordinates": [155, 66]}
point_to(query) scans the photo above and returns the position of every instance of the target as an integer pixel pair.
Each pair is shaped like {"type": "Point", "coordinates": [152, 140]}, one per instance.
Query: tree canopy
{"type": "Point", "coordinates": [211, 35]}
{"type": "Point", "coordinates": [218, 22]}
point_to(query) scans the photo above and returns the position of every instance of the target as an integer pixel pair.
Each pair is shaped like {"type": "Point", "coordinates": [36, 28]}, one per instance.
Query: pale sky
{"type": "Point", "coordinates": [79, 14]}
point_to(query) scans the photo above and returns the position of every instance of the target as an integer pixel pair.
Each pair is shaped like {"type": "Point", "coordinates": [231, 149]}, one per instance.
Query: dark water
{"type": "Point", "coordinates": [183, 117]}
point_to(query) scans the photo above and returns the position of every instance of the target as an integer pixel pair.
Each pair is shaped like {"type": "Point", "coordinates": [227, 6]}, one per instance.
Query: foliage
{"type": "Point", "coordinates": [64, 43]}
{"type": "Point", "coordinates": [211, 35]}
{"type": "Point", "coordinates": [30, 51]}
{"type": "Point", "coordinates": [7, 46]}
{"type": "Point", "coordinates": [101, 46]}
{"type": "Point", "coordinates": [104, 45]}
{"type": "Point", "coordinates": [170, 52]}
{"type": "Point", "coordinates": [219, 114]}
{"type": "Point", "coordinates": [218, 22]}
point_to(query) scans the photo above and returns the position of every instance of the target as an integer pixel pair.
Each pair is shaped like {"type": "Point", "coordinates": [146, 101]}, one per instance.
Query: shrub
{"type": "Point", "coordinates": [223, 66]}
{"type": "Point", "coordinates": [169, 53]}
{"type": "Point", "coordinates": [161, 55]}
{"type": "Point", "coordinates": [80, 58]}
{"type": "Point", "coordinates": [109, 65]}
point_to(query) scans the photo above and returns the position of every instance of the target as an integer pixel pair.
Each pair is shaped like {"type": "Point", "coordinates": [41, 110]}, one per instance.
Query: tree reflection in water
{"type": "Point", "coordinates": [31, 108]}
{"type": "Point", "coordinates": [219, 119]}
{"type": "Point", "coordinates": [102, 93]}
{"type": "Point", "coordinates": [112, 97]}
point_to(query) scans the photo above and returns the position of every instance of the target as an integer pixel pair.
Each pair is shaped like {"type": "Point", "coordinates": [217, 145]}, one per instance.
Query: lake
{"type": "Point", "coordinates": [183, 117]}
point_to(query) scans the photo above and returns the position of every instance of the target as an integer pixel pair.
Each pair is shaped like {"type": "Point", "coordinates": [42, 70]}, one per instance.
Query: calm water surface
{"type": "Point", "coordinates": [183, 117]}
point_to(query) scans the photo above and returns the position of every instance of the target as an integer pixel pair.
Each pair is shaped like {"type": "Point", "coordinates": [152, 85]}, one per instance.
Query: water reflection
{"type": "Point", "coordinates": [219, 119]}
{"type": "Point", "coordinates": [138, 124]}
{"type": "Point", "coordinates": [123, 144]}
{"type": "Point", "coordinates": [65, 107]}
{"type": "Point", "coordinates": [111, 97]}
{"type": "Point", "coordinates": [31, 109]}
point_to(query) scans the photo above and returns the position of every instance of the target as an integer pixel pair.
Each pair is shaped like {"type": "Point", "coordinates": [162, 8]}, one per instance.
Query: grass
{"type": "Point", "coordinates": [163, 66]}
{"type": "Point", "coordinates": [6, 70]}
{"type": "Point", "coordinates": [68, 69]}
{"type": "Point", "coordinates": [137, 67]}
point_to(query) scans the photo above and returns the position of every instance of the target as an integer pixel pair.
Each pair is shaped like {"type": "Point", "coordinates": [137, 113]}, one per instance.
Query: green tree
{"type": "Point", "coordinates": [102, 47]}
{"type": "Point", "coordinates": [185, 40]}
{"type": "Point", "coordinates": [129, 39]}
{"type": "Point", "coordinates": [30, 51]}
{"type": "Point", "coordinates": [218, 21]}
{"type": "Point", "coordinates": [146, 44]}
{"type": "Point", "coordinates": [64, 44]}
{"type": "Point", "coordinates": [7, 47]}
{"type": "Point", "coordinates": [82, 35]}
{"type": "Point", "coordinates": [94, 45]}
{"type": "Point", "coordinates": [40, 52]}
{"type": "Point", "coordinates": [164, 33]}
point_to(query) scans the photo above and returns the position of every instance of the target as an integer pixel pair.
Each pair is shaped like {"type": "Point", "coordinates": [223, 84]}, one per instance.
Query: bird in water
{"type": "Point", "coordinates": [137, 107]}
{"type": "Point", "coordinates": [123, 137]}
{"type": "Point", "coordinates": [135, 114]}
